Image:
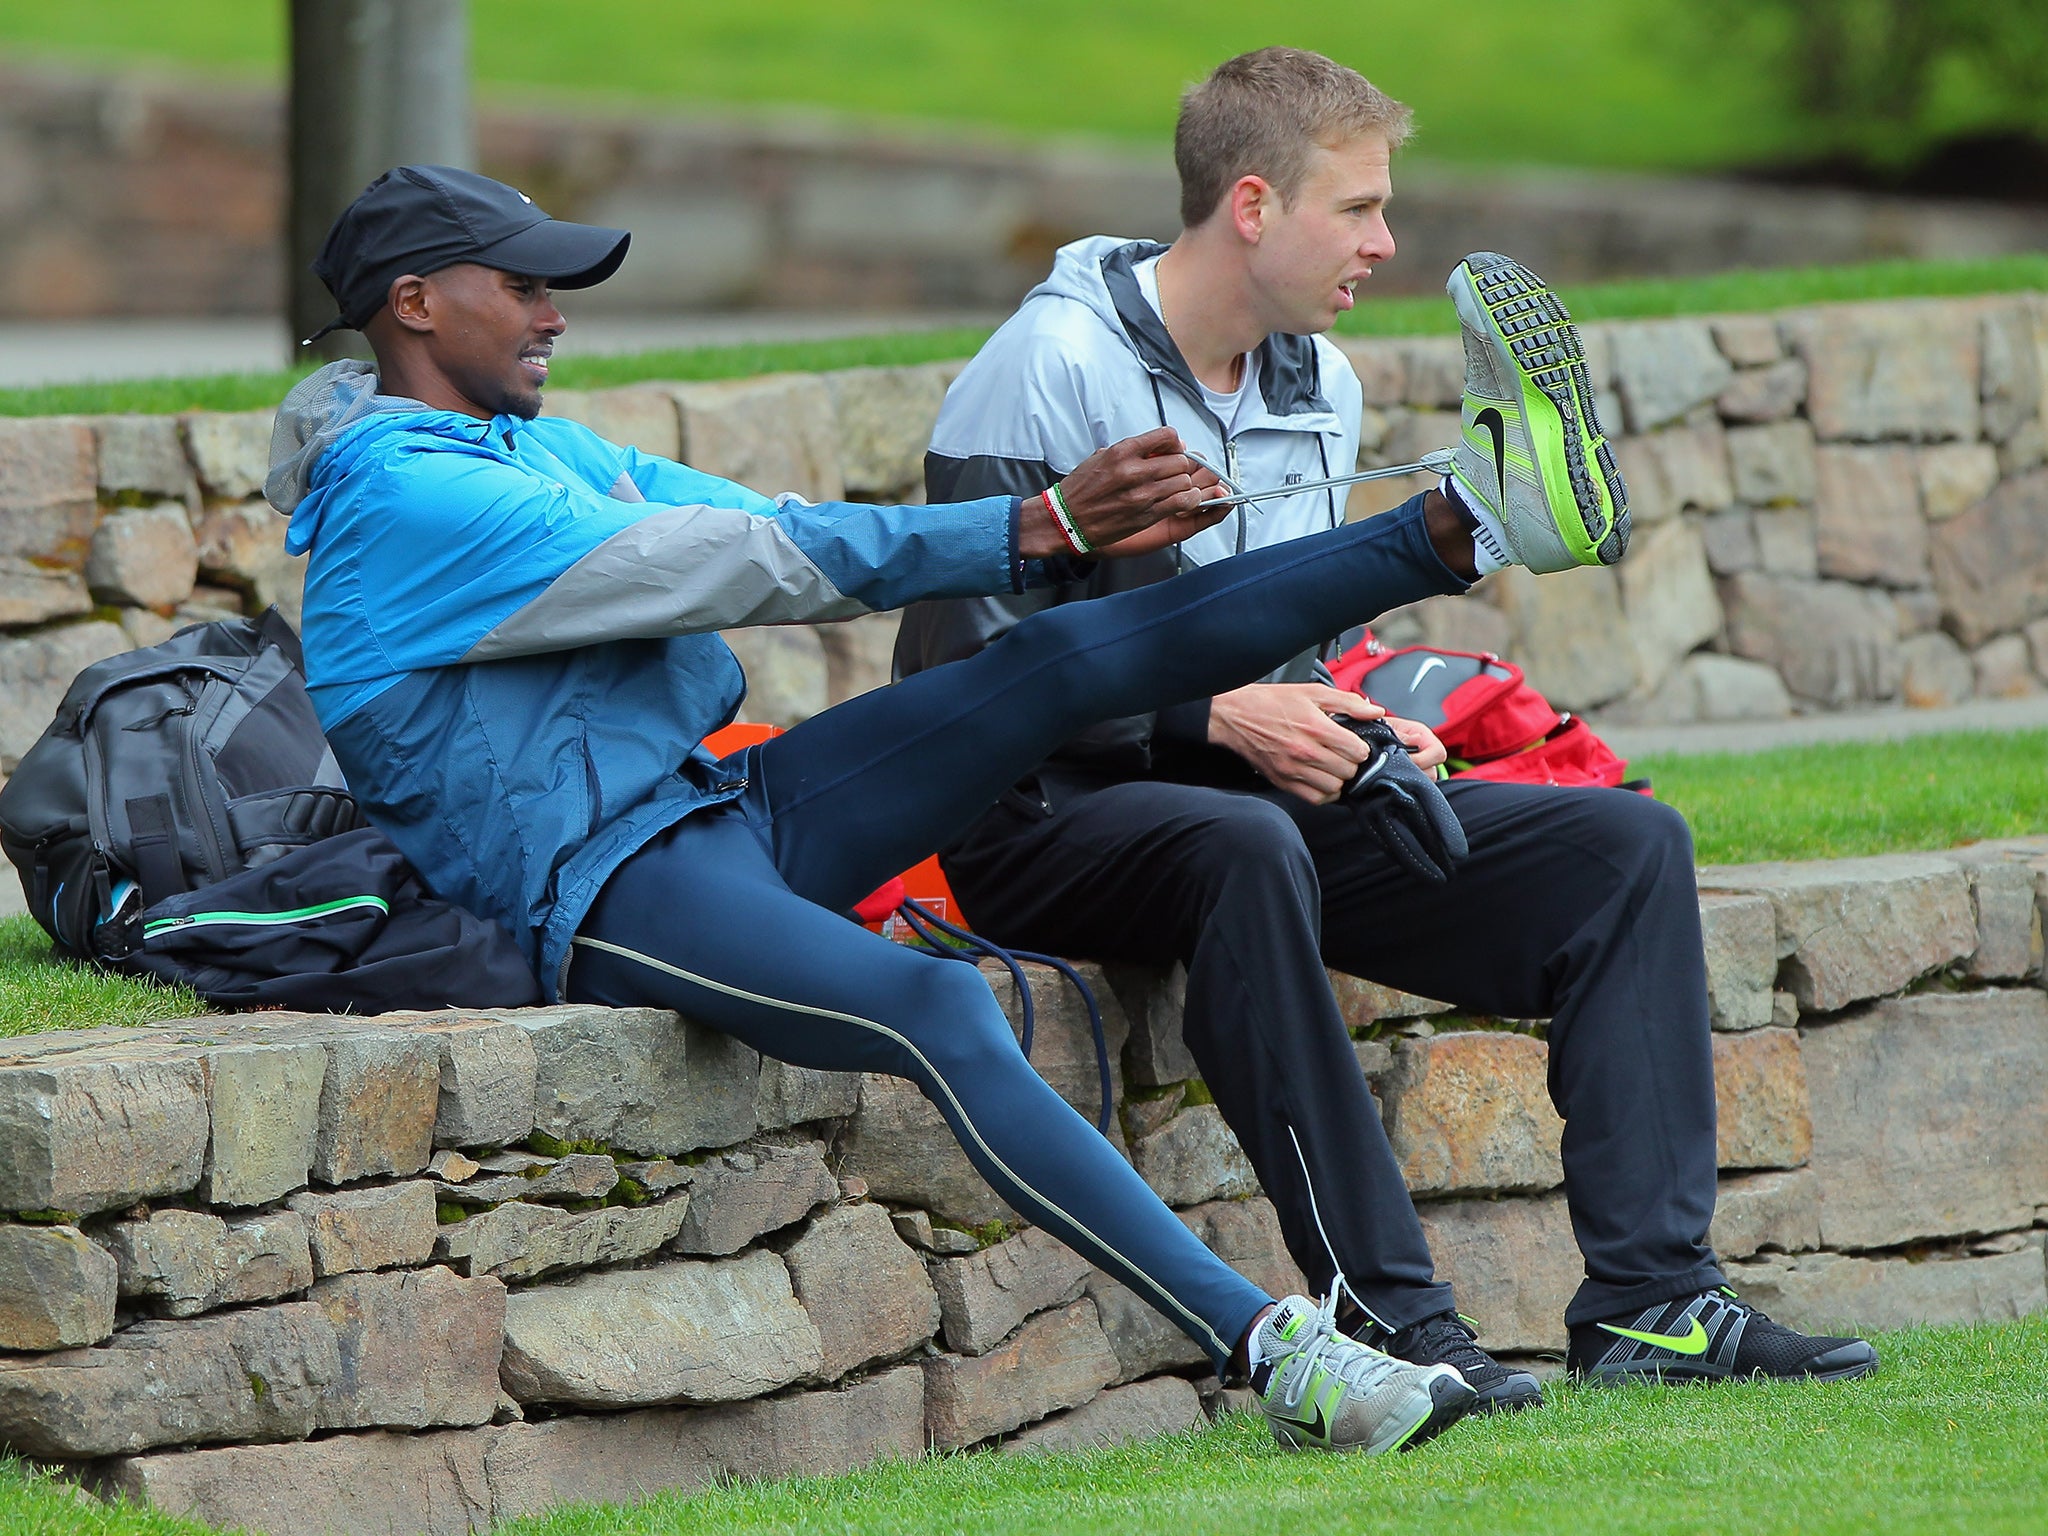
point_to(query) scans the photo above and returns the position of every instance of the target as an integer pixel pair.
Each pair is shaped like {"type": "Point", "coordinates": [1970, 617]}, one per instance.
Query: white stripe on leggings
{"type": "Point", "coordinates": [1166, 1301]}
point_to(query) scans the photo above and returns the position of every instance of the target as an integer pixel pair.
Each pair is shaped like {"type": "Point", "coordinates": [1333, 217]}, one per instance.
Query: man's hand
{"type": "Point", "coordinates": [1137, 495]}
{"type": "Point", "coordinates": [1284, 730]}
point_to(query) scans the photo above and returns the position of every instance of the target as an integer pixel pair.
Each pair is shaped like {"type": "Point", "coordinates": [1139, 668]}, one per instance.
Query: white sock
{"type": "Point", "coordinates": [1255, 1347]}
{"type": "Point", "coordinates": [1489, 542]}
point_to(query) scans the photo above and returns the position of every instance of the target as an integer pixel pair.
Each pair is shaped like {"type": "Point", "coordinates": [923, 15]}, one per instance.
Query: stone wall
{"type": "Point", "coordinates": [1835, 507]}
{"type": "Point", "coordinates": [122, 194]}
{"type": "Point", "coordinates": [420, 1272]}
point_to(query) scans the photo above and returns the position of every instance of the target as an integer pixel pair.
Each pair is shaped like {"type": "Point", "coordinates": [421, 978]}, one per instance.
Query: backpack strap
{"type": "Point", "coordinates": [153, 844]}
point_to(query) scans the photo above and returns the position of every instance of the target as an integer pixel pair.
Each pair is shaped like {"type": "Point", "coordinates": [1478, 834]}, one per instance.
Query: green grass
{"type": "Point", "coordinates": [1636, 299]}
{"type": "Point", "coordinates": [39, 992]}
{"type": "Point", "coordinates": [1951, 1435]}
{"type": "Point", "coordinates": [1849, 799]}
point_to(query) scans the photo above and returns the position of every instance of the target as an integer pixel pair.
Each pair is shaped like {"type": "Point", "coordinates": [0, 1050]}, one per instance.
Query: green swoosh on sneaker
{"type": "Point", "coordinates": [1694, 1343]}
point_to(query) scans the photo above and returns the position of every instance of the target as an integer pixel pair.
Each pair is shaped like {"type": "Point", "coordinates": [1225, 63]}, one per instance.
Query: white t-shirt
{"type": "Point", "coordinates": [1236, 409]}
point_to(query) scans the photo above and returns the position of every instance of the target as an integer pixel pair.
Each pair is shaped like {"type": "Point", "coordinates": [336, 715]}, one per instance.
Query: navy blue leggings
{"type": "Point", "coordinates": [733, 916]}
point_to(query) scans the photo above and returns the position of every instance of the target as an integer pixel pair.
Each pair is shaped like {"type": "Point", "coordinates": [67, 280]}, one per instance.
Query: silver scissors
{"type": "Point", "coordinates": [1438, 462]}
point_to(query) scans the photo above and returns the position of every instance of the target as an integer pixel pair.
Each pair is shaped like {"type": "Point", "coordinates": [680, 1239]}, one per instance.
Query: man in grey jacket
{"type": "Point", "coordinates": [1216, 833]}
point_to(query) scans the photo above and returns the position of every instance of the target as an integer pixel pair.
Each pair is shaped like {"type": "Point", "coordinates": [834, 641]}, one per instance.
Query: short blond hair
{"type": "Point", "coordinates": [1261, 113]}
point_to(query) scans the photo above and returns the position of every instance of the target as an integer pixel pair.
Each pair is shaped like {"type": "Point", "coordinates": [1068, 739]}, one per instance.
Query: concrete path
{"type": "Point", "coordinates": [79, 351]}
{"type": "Point", "coordinates": [1804, 730]}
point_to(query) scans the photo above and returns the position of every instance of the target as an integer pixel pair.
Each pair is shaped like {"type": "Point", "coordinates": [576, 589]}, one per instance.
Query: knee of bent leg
{"type": "Point", "coordinates": [1646, 835]}
{"type": "Point", "coordinates": [952, 1017]}
{"type": "Point", "coordinates": [1255, 841]}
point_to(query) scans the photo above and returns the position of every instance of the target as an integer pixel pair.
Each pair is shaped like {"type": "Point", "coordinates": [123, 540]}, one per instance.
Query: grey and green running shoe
{"type": "Point", "coordinates": [1530, 448]}
{"type": "Point", "coordinates": [1712, 1336]}
{"type": "Point", "coordinates": [1325, 1392]}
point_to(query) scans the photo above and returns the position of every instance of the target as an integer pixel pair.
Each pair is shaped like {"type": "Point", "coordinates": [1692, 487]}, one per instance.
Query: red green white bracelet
{"type": "Point", "coordinates": [1056, 504]}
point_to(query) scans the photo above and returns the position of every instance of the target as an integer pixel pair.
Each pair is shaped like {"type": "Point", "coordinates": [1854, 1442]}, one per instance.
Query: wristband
{"type": "Point", "coordinates": [1056, 504]}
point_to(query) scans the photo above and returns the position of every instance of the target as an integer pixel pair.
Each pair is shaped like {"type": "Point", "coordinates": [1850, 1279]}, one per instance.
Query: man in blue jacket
{"type": "Point", "coordinates": [1215, 832]}
{"type": "Point", "coordinates": [510, 635]}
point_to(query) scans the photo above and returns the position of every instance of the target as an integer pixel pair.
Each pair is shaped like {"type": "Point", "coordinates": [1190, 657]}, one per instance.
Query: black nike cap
{"type": "Point", "coordinates": [420, 218]}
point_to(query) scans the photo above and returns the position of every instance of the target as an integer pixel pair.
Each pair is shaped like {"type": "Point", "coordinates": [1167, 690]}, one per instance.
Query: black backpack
{"type": "Point", "coordinates": [184, 817]}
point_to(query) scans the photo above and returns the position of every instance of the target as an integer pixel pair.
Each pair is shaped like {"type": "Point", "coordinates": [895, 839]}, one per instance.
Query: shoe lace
{"type": "Point", "coordinates": [1359, 1366]}
{"type": "Point", "coordinates": [1448, 1339]}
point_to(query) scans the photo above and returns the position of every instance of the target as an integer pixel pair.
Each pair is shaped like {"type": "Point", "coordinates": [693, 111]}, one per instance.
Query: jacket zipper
{"type": "Point", "coordinates": [263, 919]}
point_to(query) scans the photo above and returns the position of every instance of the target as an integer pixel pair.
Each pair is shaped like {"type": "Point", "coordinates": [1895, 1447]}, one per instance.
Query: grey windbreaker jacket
{"type": "Point", "coordinates": [1083, 363]}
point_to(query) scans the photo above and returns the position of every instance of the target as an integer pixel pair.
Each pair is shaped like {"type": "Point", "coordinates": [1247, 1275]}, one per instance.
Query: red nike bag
{"type": "Point", "coordinates": [1491, 722]}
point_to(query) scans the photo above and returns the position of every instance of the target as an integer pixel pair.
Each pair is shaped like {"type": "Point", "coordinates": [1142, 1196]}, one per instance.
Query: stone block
{"type": "Point", "coordinates": [639, 416]}
{"type": "Point", "coordinates": [1709, 686]}
{"type": "Point", "coordinates": [36, 670]}
{"type": "Point", "coordinates": [864, 1289]}
{"type": "Point", "coordinates": [1664, 368]}
{"type": "Point", "coordinates": [1926, 1117]}
{"type": "Point", "coordinates": [1470, 1111]}
{"type": "Point", "coordinates": [1850, 929]}
{"type": "Point", "coordinates": [741, 1195]}
{"type": "Point", "coordinates": [1755, 1211]}
{"type": "Point", "coordinates": [2001, 670]}
{"type": "Point", "coordinates": [884, 417]}
{"type": "Point", "coordinates": [263, 1102]}
{"type": "Point", "coordinates": [1787, 542]}
{"type": "Point", "coordinates": [1748, 341]}
{"type": "Point", "coordinates": [1144, 1338]}
{"type": "Point", "coordinates": [1773, 465]}
{"type": "Point", "coordinates": [1934, 672]}
{"type": "Point", "coordinates": [57, 1288]}
{"type": "Point", "coordinates": [1667, 593]}
{"type": "Point", "coordinates": [48, 493]}
{"type": "Point", "coordinates": [1833, 643]}
{"type": "Point", "coordinates": [1867, 521]}
{"type": "Point", "coordinates": [1741, 938]}
{"type": "Point", "coordinates": [624, 1458]}
{"type": "Point", "coordinates": [657, 1175]}
{"type": "Point", "coordinates": [1245, 1234]}
{"type": "Point", "coordinates": [1565, 627]}
{"type": "Point", "coordinates": [689, 1331]}
{"type": "Point", "coordinates": [143, 455]}
{"type": "Point", "coordinates": [1063, 1047]}
{"type": "Point", "coordinates": [85, 1135]}
{"type": "Point", "coordinates": [787, 677]}
{"type": "Point", "coordinates": [1463, 623]}
{"type": "Point", "coordinates": [789, 1095]}
{"type": "Point", "coordinates": [1760, 1108]}
{"type": "Point", "coordinates": [1152, 1000]}
{"type": "Point", "coordinates": [241, 547]}
{"type": "Point", "coordinates": [2011, 381]}
{"type": "Point", "coordinates": [1145, 1410]}
{"type": "Point", "coordinates": [1773, 392]}
{"type": "Point", "coordinates": [375, 1228]}
{"type": "Point", "coordinates": [1919, 610]}
{"type": "Point", "coordinates": [1991, 562]}
{"type": "Point", "coordinates": [1954, 477]}
{"type": "Point", "coordinates": [183, 1263]}
{"type": "Point", "coordinates": [377, 1104]}
{"type": "Point", "coordinates": [859, 655]}
{"type": "Point", "coordinates": [917, 1229]}
{"type": "Point", "coordinates": [518, 1241]}
{"type": "Point", "coordinates": [1363, 1002]}
{"type": "Point", "coordinates": [35, 594]}
{"type": "Point", "coordinates": [639, 1080]}
{"type": "Point", "coordinates": [2037, 646]}
{"type": "Point", "coordinates": [488, 1076]}
{"type": "Point", "coordinates": [231, 451]}
{"type": "Point", "coordinates": [985, 1295]}
{"type": "Point", "coordinates": [418, 1348]}
{"type": "Point", "coordinates": [579, 1176]}
{"type": "Point", "coordinates": [1676, 469]}
{"type": "Point", "coordinates": [254, 1374]}
{"type": "Point", "coordinates": [903, 1147]}
{"type": "Point", "coordinates": [771, 434]}
{"type": "Point", "coordinates": [1381, 366]}
{"type": "Point", "coordinates": [1057, 1360]}
{"type": "Point", "coordinates": [422, 1485]}
{"type": "Point", "coordinates": [2008, 923]}
{"type": "Point", "coordinates": [1898, 370]}
{"type": "Point", "coordinates": [1435, 371]}
{"type": "Point", "coordinates": [1513, 1264]}
{"type": "Point", "coordinates": [1193, 1158]}
{"type": "Point", "coordinates": [2026, 449]}
{"type": "Point", "coordinates": [1823, 1291]}
{"type": "Point", "coordinates": [144, 557]}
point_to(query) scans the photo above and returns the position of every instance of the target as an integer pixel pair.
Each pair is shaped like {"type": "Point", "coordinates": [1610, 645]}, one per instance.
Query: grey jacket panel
{"type": "Point", "coordinates": [689, 570]}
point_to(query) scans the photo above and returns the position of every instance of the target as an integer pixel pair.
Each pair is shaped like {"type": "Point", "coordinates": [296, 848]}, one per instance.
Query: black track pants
{"type": "Point", "coordinates": [1575, 905]}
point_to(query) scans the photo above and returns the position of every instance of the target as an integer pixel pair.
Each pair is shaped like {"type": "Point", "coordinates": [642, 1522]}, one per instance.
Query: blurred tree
{"type": "Point", "coordinates": [374, 83]}
{"type": "Point", "coordinates": [1877, 79]}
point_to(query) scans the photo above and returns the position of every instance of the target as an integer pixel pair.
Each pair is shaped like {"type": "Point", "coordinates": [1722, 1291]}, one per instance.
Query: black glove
{"type": "Point", "coordinates": [1401, 806]}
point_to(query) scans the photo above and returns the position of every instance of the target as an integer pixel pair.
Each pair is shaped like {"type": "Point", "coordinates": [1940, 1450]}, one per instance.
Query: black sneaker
{"type": "Point", "coordinates": [1447, 1339]}
{"type": "Point", "coordinates": [1709, 1337]}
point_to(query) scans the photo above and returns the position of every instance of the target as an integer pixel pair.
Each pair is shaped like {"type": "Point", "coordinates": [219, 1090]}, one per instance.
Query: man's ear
{"type": "Point", "coordinates": [1250, 202]}
{"type": "Point", "coordinates": [411, 302]}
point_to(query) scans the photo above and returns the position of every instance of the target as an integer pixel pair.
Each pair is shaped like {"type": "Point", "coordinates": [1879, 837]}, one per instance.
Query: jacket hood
{"type": "Point", "coordinates": [320, 408]}
{"type": "Point", "coordinates": [1100, 272]}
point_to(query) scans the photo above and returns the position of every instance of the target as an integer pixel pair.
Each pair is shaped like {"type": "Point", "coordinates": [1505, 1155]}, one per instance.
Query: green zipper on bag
{"type": "Point", "coordinates": [263, 919]}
